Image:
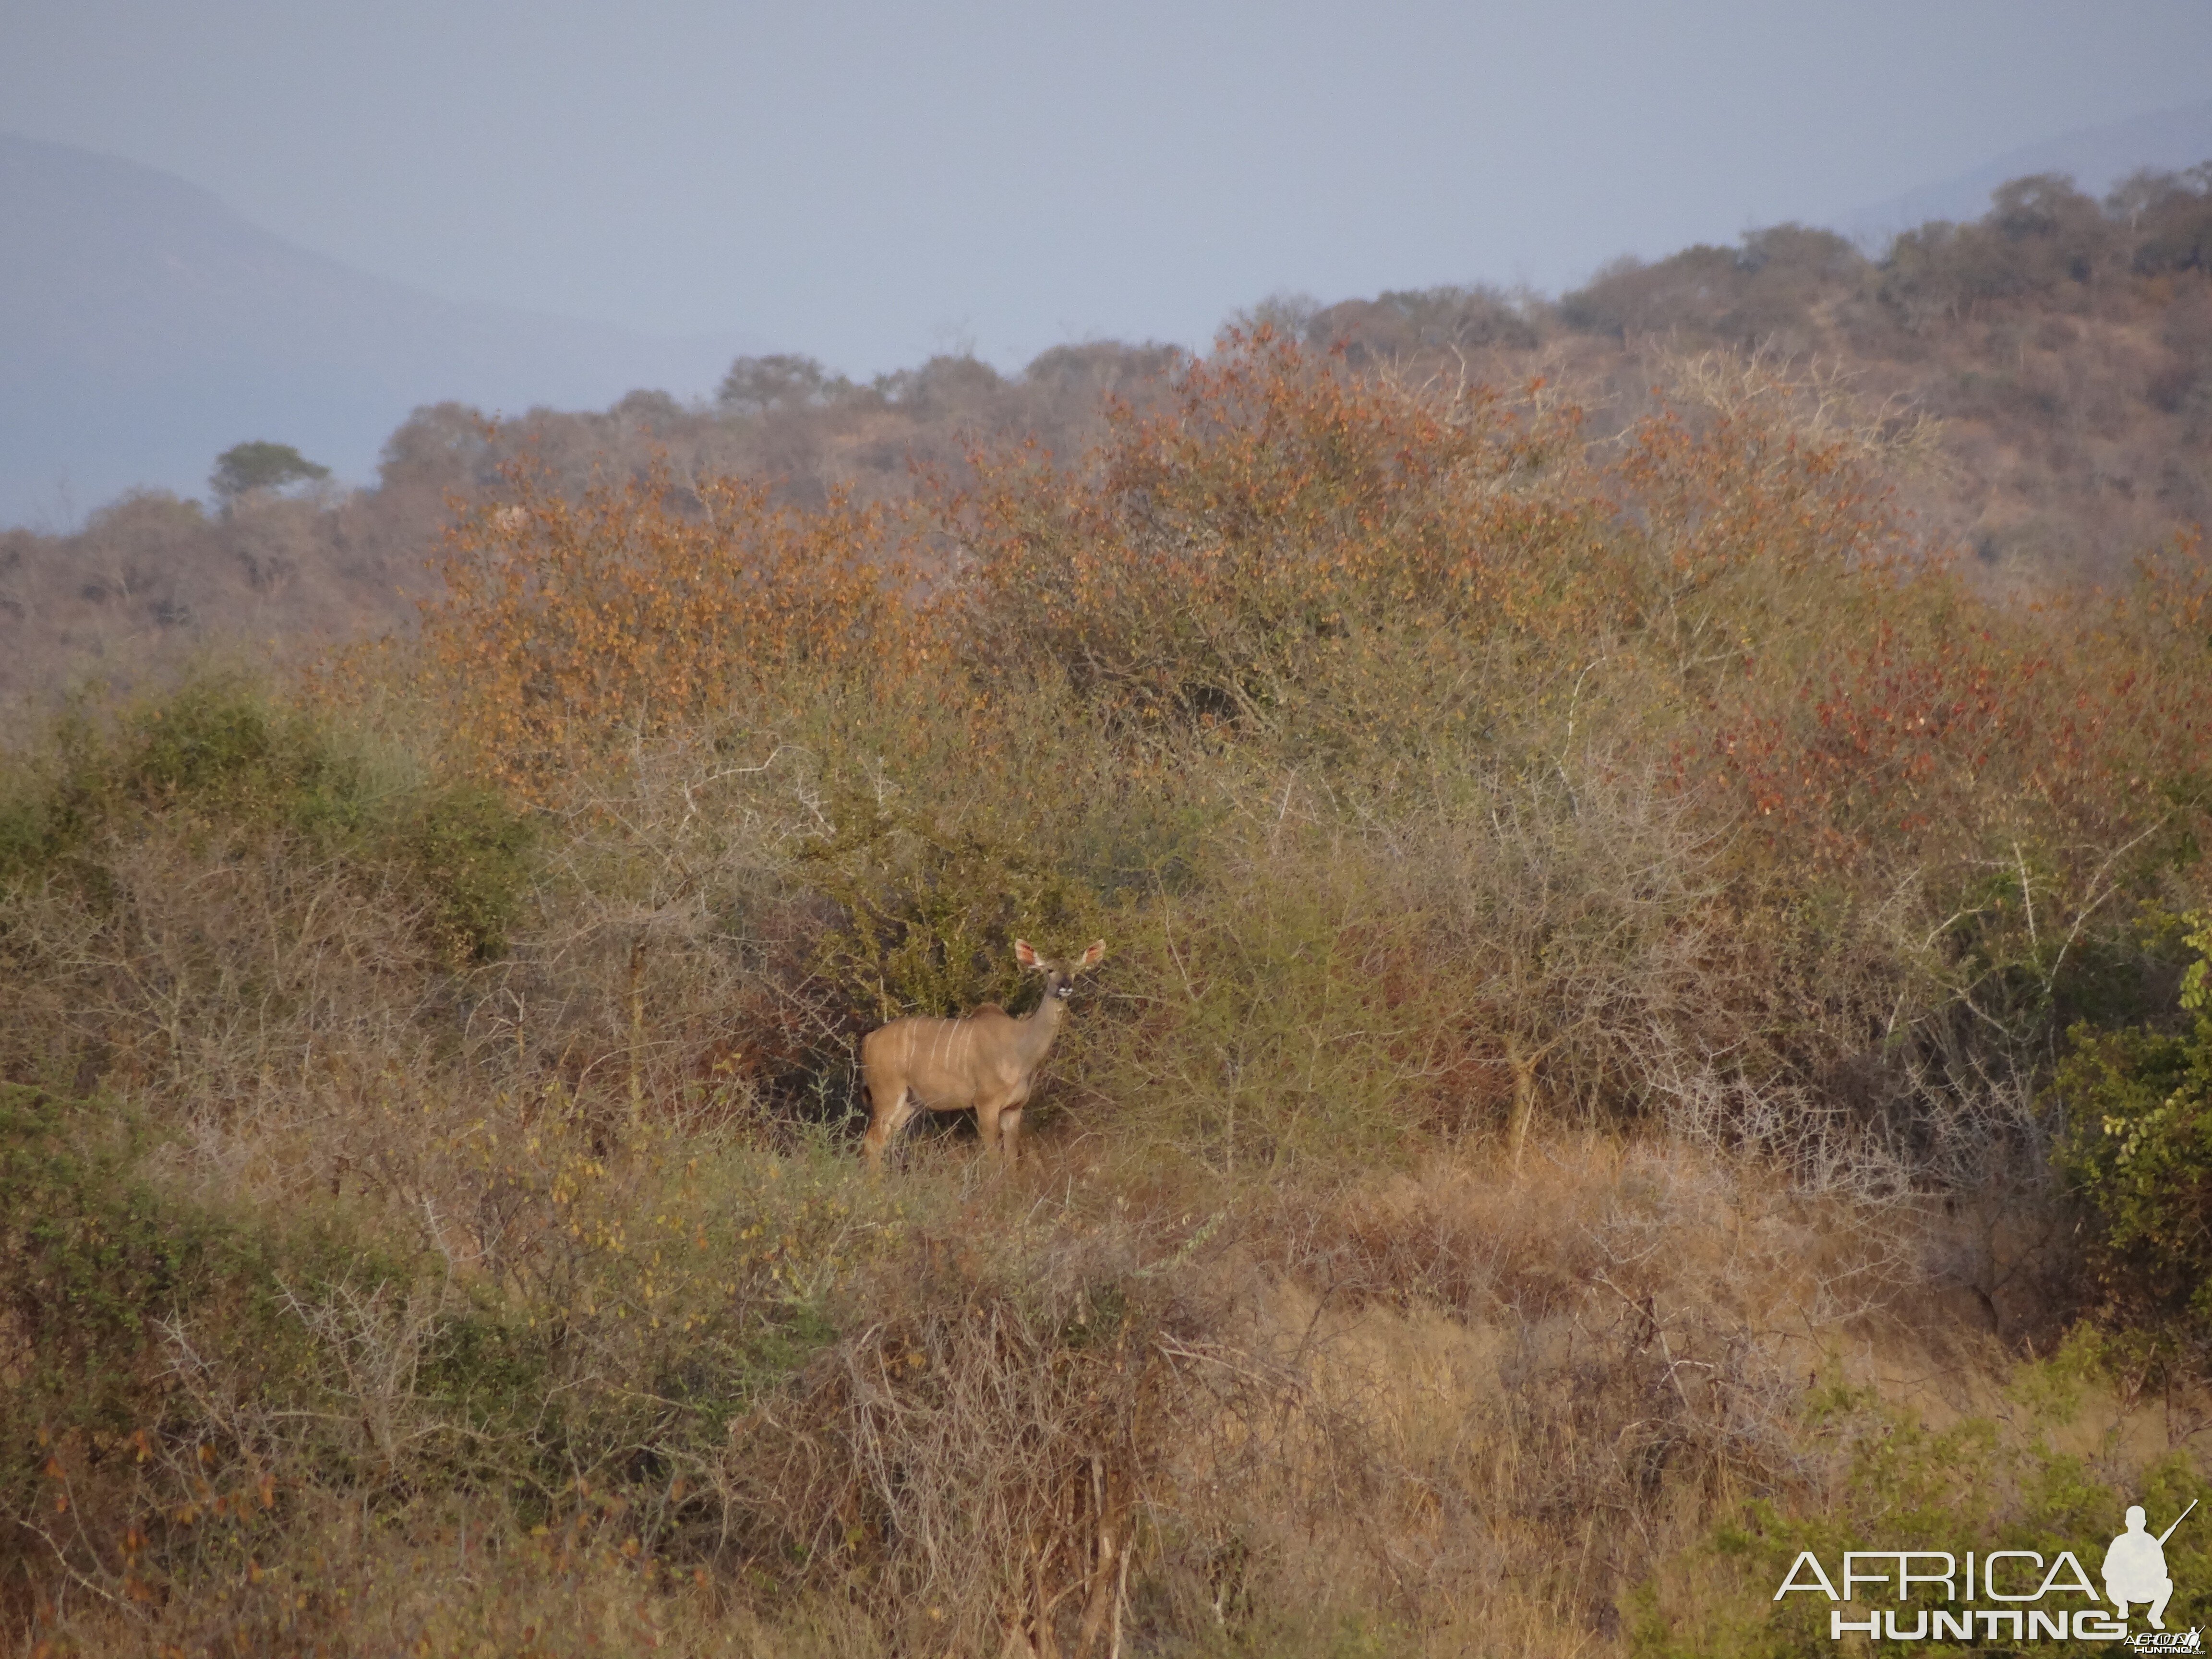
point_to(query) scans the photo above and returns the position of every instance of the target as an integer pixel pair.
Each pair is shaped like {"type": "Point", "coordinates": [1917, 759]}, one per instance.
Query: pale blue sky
{"type": "Point", "coordinates": [870, 182]}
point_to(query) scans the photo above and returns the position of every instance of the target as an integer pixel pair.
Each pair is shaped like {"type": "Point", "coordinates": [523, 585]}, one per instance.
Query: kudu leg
{"type": "Point", "coordinates": [997, 1123]}
{"type": "Point", "coordinates": [886, 1118]}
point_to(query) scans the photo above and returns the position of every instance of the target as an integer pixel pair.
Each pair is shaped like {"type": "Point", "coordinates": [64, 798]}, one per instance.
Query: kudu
{"type": "Point", "coordinates": [986, 1061]}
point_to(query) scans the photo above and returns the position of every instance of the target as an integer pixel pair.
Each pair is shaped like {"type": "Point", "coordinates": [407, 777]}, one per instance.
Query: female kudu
{"type": "Point", "coordinates": [986, 1061]}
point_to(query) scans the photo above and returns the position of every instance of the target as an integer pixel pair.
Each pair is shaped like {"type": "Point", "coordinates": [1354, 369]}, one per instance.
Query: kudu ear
{"type": "Point", "coordinates": [1094, 956]}
{"type": "Point", "coordinates": [1026, 956]}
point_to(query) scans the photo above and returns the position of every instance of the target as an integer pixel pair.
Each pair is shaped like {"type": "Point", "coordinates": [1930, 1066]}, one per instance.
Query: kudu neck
{"type": "Point", "coordinates": [1042, 1024]}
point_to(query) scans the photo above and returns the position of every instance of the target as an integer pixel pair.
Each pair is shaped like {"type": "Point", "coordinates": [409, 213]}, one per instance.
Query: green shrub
{"type": "Point", "coordinates": [92, 1256]}
{"type": "Point", "coordinates": [198, 893]}
{"type": "Point", "coordinates": [224, 761]}
{"type": "Point", "coordinates": [146, 1342]}
{"type": "Point", "coordinates": [468, 851]}
{"type": "Point", "coordinates": [931, 911]}
{"type": "Point", "coordinates": [2139, 1149]}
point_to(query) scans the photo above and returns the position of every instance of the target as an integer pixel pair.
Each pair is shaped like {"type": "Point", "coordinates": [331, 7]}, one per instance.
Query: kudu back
{"type": "Point", "coordinates": [986, 1061]}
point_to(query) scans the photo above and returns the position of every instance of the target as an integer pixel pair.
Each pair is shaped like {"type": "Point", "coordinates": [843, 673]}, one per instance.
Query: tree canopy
{"type": "Point", "coordinates": [260, 465]}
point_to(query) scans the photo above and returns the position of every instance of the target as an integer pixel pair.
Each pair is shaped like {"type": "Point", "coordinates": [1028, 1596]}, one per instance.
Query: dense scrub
{"type": "Point", "coordinates": [1619, 958]}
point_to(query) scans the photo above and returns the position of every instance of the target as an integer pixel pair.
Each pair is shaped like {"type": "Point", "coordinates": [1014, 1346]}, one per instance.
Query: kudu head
{"type": "Point", "coordinates": [1059, 975]}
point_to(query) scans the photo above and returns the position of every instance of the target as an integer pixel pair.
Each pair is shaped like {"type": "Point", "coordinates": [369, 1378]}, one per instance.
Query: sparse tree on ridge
{"type": "Point", "coordinates": [261, 465]}
{"type": "Point", "coordinates": [785, 380]}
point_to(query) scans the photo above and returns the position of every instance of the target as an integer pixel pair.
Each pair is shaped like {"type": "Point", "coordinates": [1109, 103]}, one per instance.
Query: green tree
{"type": "Point", "coordinates": [755, 385]}
{"type": "Point", "coordinates": [261, 465]}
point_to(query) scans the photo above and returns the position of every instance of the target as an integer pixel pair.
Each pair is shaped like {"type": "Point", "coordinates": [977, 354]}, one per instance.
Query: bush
{"type": "Point", "coordinates": [93, 1257]}
{"type": "Point", "coordinates": [2008, 1481]}
{"type": "Point", "coordinates": [2139, 1150]}
{"type": "Point", "coordinates": [203, 891]}
{"type": "Point", "coordinates": [567, 631]}
{"type": "Point", "coordinates": [1215, 565]}
{"type": "Point", "coordinates": [222, 758]}
{"type": "Point", "coordinates": [118, 1290]}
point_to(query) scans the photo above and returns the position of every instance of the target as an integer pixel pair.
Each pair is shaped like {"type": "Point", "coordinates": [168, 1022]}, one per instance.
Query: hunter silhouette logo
{"type": "Point", "coordinates": [2135, 1566]}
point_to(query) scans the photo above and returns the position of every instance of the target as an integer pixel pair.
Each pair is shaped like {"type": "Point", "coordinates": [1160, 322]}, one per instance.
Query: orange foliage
{"type": "Point", "coordinates": [1745, 489]}
{"type": "Point", "coordinates": [568, 630]}
{"type": "Point", "coordinates": [1745, 569]}
{"type": "Point", "coordinates": [1946, 724]}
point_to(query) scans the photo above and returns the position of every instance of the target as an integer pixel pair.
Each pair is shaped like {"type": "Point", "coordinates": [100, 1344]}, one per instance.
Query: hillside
{"type": "Point", "coordinates": [2097, 159]}
{"type": "Point", "coordinates": [154, 578]}
{"type": "Point", "coordinates": [146, 327]}
{"type": "Point", "coordinates": [2053, 358]}
{"type": "Point", "coordinates": [2065, 349]}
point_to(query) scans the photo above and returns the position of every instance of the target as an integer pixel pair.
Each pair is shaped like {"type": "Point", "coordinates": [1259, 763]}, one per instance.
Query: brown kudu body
{"type": "Point", "coordinates": [985, 1062]}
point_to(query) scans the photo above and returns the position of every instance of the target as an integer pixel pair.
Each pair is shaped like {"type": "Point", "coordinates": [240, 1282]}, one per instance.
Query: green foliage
{"type": "Point", "coordinates": [218, 751]}
{"type": "Point", "coordinates": [224, 759]}
{"type": "Point", "coordinates": [2139, 1150]}
{"type": "Point", "coordinates": [92, 1257]}
{"type": "Point", "coordinates": [469, 850]}
{"type": "Point", "coordinates": [932, 915]}
{"type": "Point", "coordinates": [262, 465]}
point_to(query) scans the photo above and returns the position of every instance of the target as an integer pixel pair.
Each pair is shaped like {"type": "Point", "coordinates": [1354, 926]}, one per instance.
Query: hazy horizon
{"type": "Point", "coordinates": [871, 186]}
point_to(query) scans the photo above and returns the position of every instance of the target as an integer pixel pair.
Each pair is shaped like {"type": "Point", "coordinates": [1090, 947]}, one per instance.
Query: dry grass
{"type": "Point", "coordinates": [1095, 1409]}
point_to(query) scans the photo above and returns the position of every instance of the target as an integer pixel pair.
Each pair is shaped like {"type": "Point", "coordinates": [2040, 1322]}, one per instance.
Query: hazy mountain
{"type": "Point", "coordinates": [145, 327]}
{"type": "Point", "coordinates": [2097, 158]}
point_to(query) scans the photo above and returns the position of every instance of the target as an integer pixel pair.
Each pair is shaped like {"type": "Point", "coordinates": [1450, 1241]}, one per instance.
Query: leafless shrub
{"type": "Point", "coordinates": [1824, 398]}
{"type": "Point", "coordinates": [257, 983]}
{"type": "Point", "coordinates": [984, 1450]}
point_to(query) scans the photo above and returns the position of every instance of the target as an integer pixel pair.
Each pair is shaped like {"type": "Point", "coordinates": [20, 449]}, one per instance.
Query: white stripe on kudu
{"type": "Point", "coordinates": [985, 1062]}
